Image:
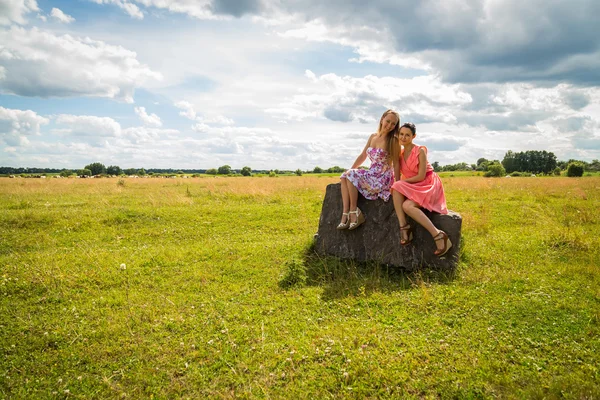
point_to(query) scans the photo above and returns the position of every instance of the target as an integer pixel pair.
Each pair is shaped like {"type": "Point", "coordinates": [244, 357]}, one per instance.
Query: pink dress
{"type": "Point", "coordinates": [428, 193]}
{"type": "Point", "coordinates": [376, 181]}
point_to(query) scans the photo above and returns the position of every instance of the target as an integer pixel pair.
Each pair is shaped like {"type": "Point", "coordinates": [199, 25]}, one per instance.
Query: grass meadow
{"type": "Point", "coordinates": [173, 288]}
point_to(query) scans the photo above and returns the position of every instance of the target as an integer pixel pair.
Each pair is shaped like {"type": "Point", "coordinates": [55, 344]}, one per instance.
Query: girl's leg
{"type": "Point", "coordinates": [399, 200]}
{"type": "Point", "coordinates": [414, 211]}
{"type": "Point", "coordinates": [352, 199]}
{"type": "Point", "coordinates": [345, 200]}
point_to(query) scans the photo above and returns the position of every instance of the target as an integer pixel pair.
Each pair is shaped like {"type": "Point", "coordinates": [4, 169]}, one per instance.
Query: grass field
{"type": "Point", "coordinates": [172, 288]}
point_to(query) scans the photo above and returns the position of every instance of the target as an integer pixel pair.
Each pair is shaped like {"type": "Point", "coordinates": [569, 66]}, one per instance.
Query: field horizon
{"type": "Point", "coordinates": [207, 287]}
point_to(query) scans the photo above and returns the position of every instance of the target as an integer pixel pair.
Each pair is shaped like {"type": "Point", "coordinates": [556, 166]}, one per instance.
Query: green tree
{"type": "Point", "coordinates": [84, 172]}
{"type": "Point", "coordinates": [318, 170]}
{"type": "Point", "coordinates": [224, 170]}
{"type": "Point", "coordinates": [66, 172]}
{"type": "Point", "coordinates": [113, 170]}
{"type": "Point", "coordinates": [130, 171]}
{"type": "Point", "coordinates": [298, 172]}
{"type": "Point", "coordinates": [495, 170]}
{"type": "Point", "coordinates": [211, 171]}
{"type": "Point", "coordinates": [575, 169]}
{"type": "Point", "coordinates": [436, 166]}
{"type": "Point", "coordinates": [96, 168]}
{"type": "Point", "coordinates": [141, 172]}
{"type": "Point", "coordinates": [246, 171]}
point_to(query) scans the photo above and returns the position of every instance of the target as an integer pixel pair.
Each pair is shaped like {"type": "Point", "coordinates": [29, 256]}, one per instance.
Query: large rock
{"type": "Point", "coordinates": [378, 239]}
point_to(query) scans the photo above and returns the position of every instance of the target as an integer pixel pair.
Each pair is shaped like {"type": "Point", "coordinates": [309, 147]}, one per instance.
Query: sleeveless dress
{"type": "Point", "coordinates": [376, 181]}
{"type": "Point", "coordinates": [428, 193]}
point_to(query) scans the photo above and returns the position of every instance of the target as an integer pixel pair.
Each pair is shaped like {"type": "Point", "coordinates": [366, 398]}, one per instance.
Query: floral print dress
{"type": "Point", "coordinates": [376, 181]}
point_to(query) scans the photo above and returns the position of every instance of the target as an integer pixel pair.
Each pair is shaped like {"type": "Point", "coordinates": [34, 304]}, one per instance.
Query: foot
{"type": "Point", "coordinates": [345, 222]}
{"type": "Point", "coordinates": [406, 234]}
{"type": "Point", "coordinates": [359, 218]}
{"type": "Point", "coordinates": [443, 243]}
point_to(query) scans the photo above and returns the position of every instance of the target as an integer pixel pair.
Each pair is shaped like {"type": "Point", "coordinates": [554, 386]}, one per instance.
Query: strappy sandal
{"type": "Point", "coordinates": [409, 234]}
{"type": "Point", "coordinates": [360, 218]}
{"type": "Point", "coordinates": [447, 243]}
{"type": "Point", "coordinates": [344, 225]}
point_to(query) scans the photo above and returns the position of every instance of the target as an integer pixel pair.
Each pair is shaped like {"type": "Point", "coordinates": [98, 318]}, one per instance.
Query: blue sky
{"type": "Point", "coordinates": [293, 84]}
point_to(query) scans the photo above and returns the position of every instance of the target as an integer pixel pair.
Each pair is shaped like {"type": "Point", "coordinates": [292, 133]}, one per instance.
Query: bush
{"type": "Point", "coordinates": [224, 170]}
{"type": "Point", "coordinates": [495, 170]}
{"type": "Point", "coordinates": [575, 169]}
{"type": "Point", "coordinates": [516, 173]}
{"type": "Point", "coordinates": [272, 174]}
{"type": "Point", "coordinates": [557, 171]}
{"type": "Point", "coordinates": [299, 172]}
{"type": "Point", "coordinates": [295, 274]}
{"type": "Point", "coordinates": [246, 171]}
{"type": "Point", "coordinates": [211, 171]}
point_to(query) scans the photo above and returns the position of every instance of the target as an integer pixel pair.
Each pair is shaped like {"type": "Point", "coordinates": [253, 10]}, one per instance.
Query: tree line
{"type": "Point", "coordinates": [532, 161]}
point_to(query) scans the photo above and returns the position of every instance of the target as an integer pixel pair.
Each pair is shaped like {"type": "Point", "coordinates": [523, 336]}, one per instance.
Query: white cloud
{"type": "Point", "coordinates": [16, 125]}
{"type": "Point", "coordinates": [89, 129]}
{"type": "Point", "coordinates": [151, 120]}
{"type": "Point", "coordinates": [131, 9]}
{"type": "Point", "coordinates": [188, 109]}
{"type": "Point", "coordinates": [15, 11]}
{"type": "Point", "coordinates": [39, 63]}
{"type": "Point", "coordinates": [57, 14]}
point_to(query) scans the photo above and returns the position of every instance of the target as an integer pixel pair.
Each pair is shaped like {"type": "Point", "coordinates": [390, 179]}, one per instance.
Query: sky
{"type": "Point", "coordinates": [288, 84]}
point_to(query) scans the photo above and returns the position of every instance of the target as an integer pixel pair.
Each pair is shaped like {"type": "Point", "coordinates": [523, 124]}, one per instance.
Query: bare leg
{"type": "Point", "coordinates": [399, 199]}
{"type": "Point", "coordinates": [414, 211]}
{"type": "Point", "coordinates": [353, 199]}
{"type": "Point", "coordinates": [345, 198]}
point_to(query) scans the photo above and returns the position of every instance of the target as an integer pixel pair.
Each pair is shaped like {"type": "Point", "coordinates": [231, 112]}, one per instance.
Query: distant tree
{"type": "Point", "coordinates": [130, 171]}
{"type": "Point", "coordinates": [335, 169]}
{"type": "Point", "coordinates": [318, 170]}
{"type": "Point", "coordinates": [84, 171]}
{"type": "Point", "coordinates": [298, 172]}
{"type": "Point", "coordinates": [436, 166]}
{"type": "Point", "coordinates": [141, 172]}
{"type": "Point", "coordinates": [530, 161]}
{"type": "Point", "coordinates": [575, 169]}
{"type": "Point", "coordinates": [113, 170]}
{"type": "Point", "coordinates": [224, 170]}
{"type": "Point", "coordinates": [557, 171]}
{"type": "Point", "coordinates": [593, 166]}
{"type": "Point", "coordinates": [66, 172]}
{"type": "Point", "coordinates": [211, 171]}
{"type": "Point", "coordinates": [246, 171]}
{"type": "Point", "coordinates": [495, 170]}
{"type": "Point", "coordinates": [180, 172]}
{"type": "Point", "coordinates": [96, 168]}
{"type": "Point", "coordinates": [482, 160]}
{"type": "Point", "coordinates": [272, 174]}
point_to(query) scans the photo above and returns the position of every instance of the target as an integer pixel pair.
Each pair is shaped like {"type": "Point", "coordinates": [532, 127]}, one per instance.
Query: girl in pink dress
{"type": "Point", "coordinates": [382, 148]}
{"type": "Point", "coordinates": [419, 187]}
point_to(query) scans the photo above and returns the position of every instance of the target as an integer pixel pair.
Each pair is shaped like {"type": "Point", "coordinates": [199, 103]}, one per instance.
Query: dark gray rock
{"type": "Point", "coordinates": [378, 239]}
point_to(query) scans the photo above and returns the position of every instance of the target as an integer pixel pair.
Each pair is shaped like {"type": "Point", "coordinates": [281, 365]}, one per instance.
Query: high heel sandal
{"type": "Point", "coordinates": [447, 243]}
{"type": "Point", "coordinates": [344, 225]}
{"type": "Point", "coordinates": [360, 218]}
{"type": "Point", "coordinates": [409, 234]}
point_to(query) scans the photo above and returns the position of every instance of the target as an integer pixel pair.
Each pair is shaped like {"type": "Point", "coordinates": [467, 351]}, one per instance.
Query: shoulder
{"type": "Point", "coordinates": [423, 149]}
{"type": "Point", "coordinates": [373, 136]}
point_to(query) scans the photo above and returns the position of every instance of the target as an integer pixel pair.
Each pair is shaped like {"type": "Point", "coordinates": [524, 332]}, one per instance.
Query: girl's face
{"type": "Point", "coordinates": [406, 136]}
{"type": "Point", "coordinates": [388, 122]}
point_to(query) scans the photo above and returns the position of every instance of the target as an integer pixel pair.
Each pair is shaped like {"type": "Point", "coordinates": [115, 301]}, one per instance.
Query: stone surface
{"type": "Point", "coordinates": [378, 239]}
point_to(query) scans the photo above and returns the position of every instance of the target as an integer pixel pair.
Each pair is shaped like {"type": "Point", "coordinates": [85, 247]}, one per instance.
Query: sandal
{"type": "Point", "coordinates": [409, 234]}
{"type": "Point", "coordinates": [360, 218]}
{"type": "Point", "coordinates": [447, 243]}
{"type": "Point", "coordinates": [344, 225]}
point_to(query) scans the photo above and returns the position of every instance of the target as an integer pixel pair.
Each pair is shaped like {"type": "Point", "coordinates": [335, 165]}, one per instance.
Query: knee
{"type": "Point", "coordinates": [407, 206]}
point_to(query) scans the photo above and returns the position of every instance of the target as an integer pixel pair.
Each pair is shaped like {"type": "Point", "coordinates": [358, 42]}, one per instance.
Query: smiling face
{"type": "Point", "coordinates": [388, 122]}
{"type": "Point", "coordinates": [406, 136]}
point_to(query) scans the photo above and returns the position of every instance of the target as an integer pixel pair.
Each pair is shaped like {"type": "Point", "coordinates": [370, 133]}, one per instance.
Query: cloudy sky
{"type": "Point", "coordinates": [293, 83]}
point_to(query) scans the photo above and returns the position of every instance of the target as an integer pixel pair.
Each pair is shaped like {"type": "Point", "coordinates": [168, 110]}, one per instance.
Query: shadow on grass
{"type": "Point", "coordinates": [342, 278]}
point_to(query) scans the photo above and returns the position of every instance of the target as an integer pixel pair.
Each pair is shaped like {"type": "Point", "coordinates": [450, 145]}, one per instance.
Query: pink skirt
{"type": "Point", "coordinates": [429, 193]}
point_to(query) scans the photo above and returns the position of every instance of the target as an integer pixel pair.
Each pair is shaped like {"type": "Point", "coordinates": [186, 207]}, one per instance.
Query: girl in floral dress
{"type": "Point", "coordinates": [419, 187]}
{"type": "Point", "coordinates": [383, 149]}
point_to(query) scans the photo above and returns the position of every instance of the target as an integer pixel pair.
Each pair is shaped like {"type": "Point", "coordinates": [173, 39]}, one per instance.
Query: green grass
{"type": "Point", "coordinates": [168, 288]}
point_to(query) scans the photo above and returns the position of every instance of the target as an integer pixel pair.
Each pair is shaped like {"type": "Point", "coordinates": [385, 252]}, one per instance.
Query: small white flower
{"type": "Point", "coordinates": [123, 266]}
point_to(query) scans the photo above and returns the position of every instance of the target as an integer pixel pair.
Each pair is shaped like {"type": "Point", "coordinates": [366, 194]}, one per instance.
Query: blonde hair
{"type": "Point", "coordinates": [392, 145]}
